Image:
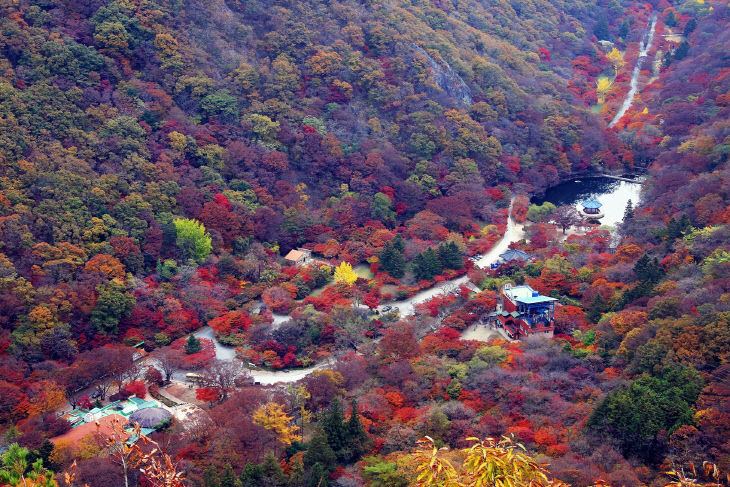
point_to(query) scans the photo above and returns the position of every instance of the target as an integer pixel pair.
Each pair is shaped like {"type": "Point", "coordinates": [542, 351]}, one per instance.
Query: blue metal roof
{"type": "Point", "coordinates": [535, 299]}
{"type": "Point", "coordinates": [592, 204]}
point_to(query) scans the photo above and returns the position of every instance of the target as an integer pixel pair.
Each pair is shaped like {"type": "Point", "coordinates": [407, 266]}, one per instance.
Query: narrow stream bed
{"type": "Point", "coordinates": [646, 40]}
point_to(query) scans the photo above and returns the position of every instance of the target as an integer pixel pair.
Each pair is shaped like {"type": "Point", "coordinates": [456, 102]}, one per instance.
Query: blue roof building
{"type": "Point", "coordinates": [526, 312]}
{"type": "Point", "coordinates": [592, 209]}
{"type": "Point", "coordinates": [514, 254]}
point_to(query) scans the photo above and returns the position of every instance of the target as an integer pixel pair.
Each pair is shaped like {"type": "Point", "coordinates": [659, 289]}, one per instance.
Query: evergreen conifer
{"type": "Point", "coordinates": [192, 345]}
{"type": "Point", "coordinates": [272, 473]}
{"type": "Point", "coordinates": [629, 211]}
{"type": "Point", "coordinates": [252, 475]}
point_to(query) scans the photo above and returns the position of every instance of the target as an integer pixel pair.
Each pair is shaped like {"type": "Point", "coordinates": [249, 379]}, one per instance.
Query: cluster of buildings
{"type": "Point", "coordinates": [150, 415]}
{"type": "Point", "coordinates": [523, 312]}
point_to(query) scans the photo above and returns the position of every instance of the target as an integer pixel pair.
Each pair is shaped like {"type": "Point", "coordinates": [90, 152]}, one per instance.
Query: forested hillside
{"type": "Point", "coordinates": [274, 126]}
{"type": "Point", "coordinates": [158, 161]}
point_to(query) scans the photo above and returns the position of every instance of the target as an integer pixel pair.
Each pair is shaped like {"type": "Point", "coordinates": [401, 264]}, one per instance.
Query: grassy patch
{"type": "Point", "coordinates": [363, 271]}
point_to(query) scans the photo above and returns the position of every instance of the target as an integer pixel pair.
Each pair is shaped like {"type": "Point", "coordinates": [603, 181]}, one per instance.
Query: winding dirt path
{"type": "Point", "coordinates": [512, 233]}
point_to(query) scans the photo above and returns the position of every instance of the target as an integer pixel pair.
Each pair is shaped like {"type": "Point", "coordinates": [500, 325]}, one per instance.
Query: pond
{"type": "Point", "coordinates": [611, 193]}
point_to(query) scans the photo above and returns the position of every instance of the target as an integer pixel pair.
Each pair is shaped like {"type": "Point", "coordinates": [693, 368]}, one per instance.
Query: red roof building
{"type": "Point", "coordinates": [104, 429]}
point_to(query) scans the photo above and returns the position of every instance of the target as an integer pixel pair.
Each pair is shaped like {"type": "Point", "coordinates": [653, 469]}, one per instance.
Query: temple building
{"type": "Point", "coordinates": [524, 312]}
{"type": "Point", "coordinates": [592, 209]}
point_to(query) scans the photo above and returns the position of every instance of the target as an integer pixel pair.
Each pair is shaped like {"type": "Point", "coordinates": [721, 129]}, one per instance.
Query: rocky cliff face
{"type": "Point", "coordinates": [447, 79]}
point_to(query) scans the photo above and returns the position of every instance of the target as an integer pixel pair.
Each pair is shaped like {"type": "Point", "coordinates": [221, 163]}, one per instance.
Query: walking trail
{"type": "Point", "coordinates": [512, 233]}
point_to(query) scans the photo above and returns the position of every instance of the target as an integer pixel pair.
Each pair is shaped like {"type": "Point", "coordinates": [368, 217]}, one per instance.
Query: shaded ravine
{"type": "Point", "coordinates": [513, 232]}
{"type": "Point", "coordinates": [646, 40]}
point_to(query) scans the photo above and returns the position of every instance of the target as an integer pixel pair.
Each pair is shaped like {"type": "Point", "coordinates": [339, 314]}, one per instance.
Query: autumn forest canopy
{"type": "Point", "coordinates": [257, 243]}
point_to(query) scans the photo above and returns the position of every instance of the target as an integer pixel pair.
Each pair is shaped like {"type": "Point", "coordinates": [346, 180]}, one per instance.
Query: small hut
{"type": "Point", "coordinates": [298, 257]}
{"type": "Point", "coordinates": [592, 209]}
{"type": "Point", "coordinates": [150, 417]}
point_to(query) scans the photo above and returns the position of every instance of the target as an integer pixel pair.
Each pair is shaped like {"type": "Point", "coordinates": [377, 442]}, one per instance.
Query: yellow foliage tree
{"type": "Point", "coordinates": [344, 273]}
{"type": "Point", "coordinates": [336, 377]}
{"type": "Point", "coordinates": [272, 417]}
{"type": "Point", "coordinates": [46, 396]}
{"type": "Point", "coordinates": [177, 141]}
{"type": "Point", "coordinates": [616, 58]}
{"type": "Point", "coordinates": [603, 86]}
{"type": "Point", "coordinates": [487, 462]}
{"type": "Point", "coordinates": [168, 51]}
{"type": "Point", "coordinates": [300, 395]}
{"type": "Point", "coordinates": [625, 321]}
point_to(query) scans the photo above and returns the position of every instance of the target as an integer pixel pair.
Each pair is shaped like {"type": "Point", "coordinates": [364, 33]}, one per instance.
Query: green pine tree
{"type": "Point", "coordinates": [357, 438]}
{"type": "Point", "coordinates": [450, 256]}
{"type": "Point", "coordinates": [333, 425]}
{"type": "Point", "coordinates": [15, 468]}
{"type": "Point", "coordinates": [44, 453]}
{"type": "Point", "coordinates": [210, 478]}
{"type": "Point", "coordinates": [647, 269]}
{"type": "Point", "coordinates": [667, 59]}
{"type": "Point", "coordinates": [318, 476]}
{"type": "Point", "coordinates": [432, 263]}
{"type": "Point", "coordinates": [392, 260]}
{"type": "Point", "coordinates": [252, 475]}
{"type": "Point", "coordinates": [629, 211]}
{"type": "Point", "coordinates": [419, 268]}
{"type": "Point", "coordinates": [596, 309]}
{"type": "Point", "coordinates": [386, 256]}
{"type": "Point", "coordinates": [192, 345]}
{"type": "Point", "coordinates": [681, 51]}
{"type": "Point", "coordinates": [228, 479]}
{"type": "Point", "coordinates": [272, 473]}
{"type": "Point", "coordinates": [600, 30]}
{"type": "Point", "coordinates": [685, 225]}
{"type": "Point", "coordinates": [670, 19]}
{"type": "Point", "coordinates": [319, 451]}
{"type": "Point", "coordinates": [399, 244]}
{"type": "Point", "coordinates": [297, 477]}
{"type": "Point", "coordinates": [397, 264]}
{"type": "Point", "coordinates": [623, 31]}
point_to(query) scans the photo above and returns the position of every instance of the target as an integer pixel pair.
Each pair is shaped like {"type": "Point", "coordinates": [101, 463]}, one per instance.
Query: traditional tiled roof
{"type": "Point", "coordinates": [513, 254]}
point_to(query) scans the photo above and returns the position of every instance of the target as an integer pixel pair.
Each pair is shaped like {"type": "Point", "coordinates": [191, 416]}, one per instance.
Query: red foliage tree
{"type": "Point", "coordinates": [84, 402]}
{"type": "Point", "coordinates": [136, 388]}
{"type": "Point", "coordinates": [195, 360]}
{"type": "Point", "coordinates": [207, 394]}
{"type": "Point", "coordinates": [399, 342]}
{"type": "Point", "coordinates": [231, 322]}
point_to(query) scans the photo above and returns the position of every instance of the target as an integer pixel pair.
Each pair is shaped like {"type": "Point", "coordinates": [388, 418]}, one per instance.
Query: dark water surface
{"type": "Point", "coordinates": [611, 193]}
